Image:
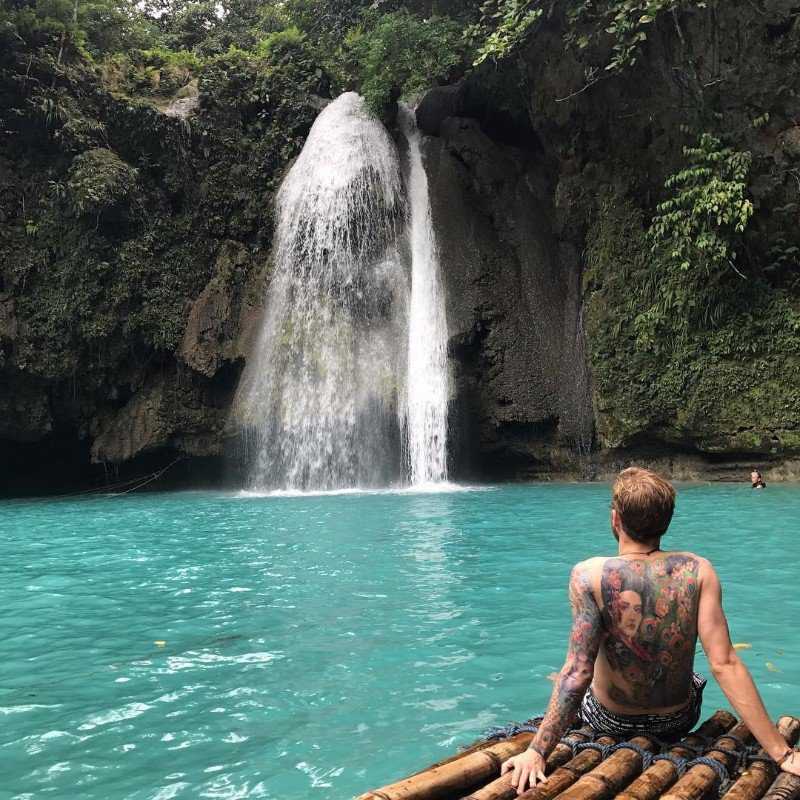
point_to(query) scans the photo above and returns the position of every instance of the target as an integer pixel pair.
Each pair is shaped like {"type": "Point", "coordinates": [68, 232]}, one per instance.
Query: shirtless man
{"type": "Point", "coordinates": [636, 620]}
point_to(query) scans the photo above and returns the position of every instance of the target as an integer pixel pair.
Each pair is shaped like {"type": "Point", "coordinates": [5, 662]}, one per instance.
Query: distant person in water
{"type": "Point", "coordinates": [757, 480]}
{"type": "Point", "coordinates": [636, 620]}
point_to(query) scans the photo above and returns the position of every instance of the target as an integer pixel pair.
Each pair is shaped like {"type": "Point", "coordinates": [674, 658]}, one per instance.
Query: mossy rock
{"type": "Point", "coordinates": [731, 387]}
{"type": "Point", "coordinates": [100, 179]}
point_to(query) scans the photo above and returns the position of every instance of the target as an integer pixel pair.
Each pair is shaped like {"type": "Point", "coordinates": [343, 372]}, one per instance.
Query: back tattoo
{"type": "Point", "coordinates": [650, 617]}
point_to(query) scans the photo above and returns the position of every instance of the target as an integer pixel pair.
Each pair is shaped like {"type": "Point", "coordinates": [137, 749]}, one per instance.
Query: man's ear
{"type": "Point", "coordinates": [615, 523]}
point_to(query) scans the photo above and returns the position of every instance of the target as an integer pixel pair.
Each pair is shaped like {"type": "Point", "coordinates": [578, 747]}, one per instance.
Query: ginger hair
{"type": "Point", "coordinates": [645, 503]}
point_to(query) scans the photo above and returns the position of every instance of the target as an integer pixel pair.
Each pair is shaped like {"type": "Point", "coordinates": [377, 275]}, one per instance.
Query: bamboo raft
{"type": "Point", "coordinates": [719, 757]}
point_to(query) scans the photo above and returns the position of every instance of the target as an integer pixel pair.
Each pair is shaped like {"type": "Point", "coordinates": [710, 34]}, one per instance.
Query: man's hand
{"type": "Point", "coordinates": [791, 765]}
{"type": "Point", "coordinates": [528, 768]}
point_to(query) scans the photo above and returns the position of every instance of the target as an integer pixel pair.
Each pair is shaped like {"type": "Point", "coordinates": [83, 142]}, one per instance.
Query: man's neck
{"type": "Point", "coordinates": [628, 546]}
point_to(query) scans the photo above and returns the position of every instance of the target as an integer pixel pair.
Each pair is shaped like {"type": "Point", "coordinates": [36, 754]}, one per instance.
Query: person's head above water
{"type": "Point", "coordinates": [755, 475]}
{"type": "Point", "coordinates": [642, 505]}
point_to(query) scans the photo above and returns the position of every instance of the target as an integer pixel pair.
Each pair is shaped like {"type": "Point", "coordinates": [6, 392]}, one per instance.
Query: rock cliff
{"type": "Point", "coordinates": [136, 242]}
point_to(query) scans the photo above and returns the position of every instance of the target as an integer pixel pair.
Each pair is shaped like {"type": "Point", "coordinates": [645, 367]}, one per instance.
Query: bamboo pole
{"type": "Point", "coordinates": [445, 779]}
{"type": "Point", "coordinates": [453, 778]}
{"type": "Point", "coordinates": [655, 780]}
{"type": "Point", "coordinates": [759, 775]}
{"type": "Point", "coordinates": [465, 752]}
{"type": "Point", "coordinates": [701, 779]}
{"type": "Point", "coordinates": [785, 787]}
{"type": "Point", "coordinates": [606, 779]}
{"type": "Point", "coordinates": [564, 776]}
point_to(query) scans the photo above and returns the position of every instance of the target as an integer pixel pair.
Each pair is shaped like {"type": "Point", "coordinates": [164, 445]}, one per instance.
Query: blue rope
{"type": "Point", "coordinates": [741, 749]}
{"type": "Point", "coordinates": [706, 740]}
{"type": "Point", "coordinates": [740, 744]}
{"type": "Point", "coordinates": [661, 745]}
{"type": "Point", "coordinates": [750, 758]}
{"type": "Point", "coordinates": [717, 766]}
{"type": "Point", "coordinates": [571, 743]}
{"type": "Point", "coordinates": [697, 749]}
{"type": "Point", "coordinates": [507, 731]}
{"type": "Point", "coordinates": [680, 763]}
{"type": "Point", "coordinates": [646, 756]}
{"type": "Point", "coordinates": [604, 749]}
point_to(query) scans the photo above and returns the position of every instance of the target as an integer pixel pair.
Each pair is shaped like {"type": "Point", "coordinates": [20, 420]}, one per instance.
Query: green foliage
{"type": "Point", "coordinates": [615, 29]}
{"type": "Point", "coordinates": [624, 22]}
{"type": "Point", "coordinates": [695, 237]}
{"type": "Point", "coordinates": [732, 386]}
{"type": "Point", "coordinates": [110, 212]}
{"type": "Point", "coordinates": [155, 72]}
{"type": "Point", "coordinates": [325, 22]}
{"type": "Point", "coordinates": [100, 179]}
{"type": "Point", "coordinates": [208, 27]}
{"type": "Point", "coordinates": [290, 49]}
{"type": "Point", "coordinates": [89, 29]}
{"type": "Point", "coordinates": [188, 24]}
{"type": "Point", "coordinates": [502, 27]}
{"type": "Point", "coordinates": [398, 54]}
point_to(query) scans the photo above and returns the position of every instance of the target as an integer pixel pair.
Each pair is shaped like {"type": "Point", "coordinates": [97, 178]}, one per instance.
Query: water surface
{"type": "Point", "coordinates": [318, 646]}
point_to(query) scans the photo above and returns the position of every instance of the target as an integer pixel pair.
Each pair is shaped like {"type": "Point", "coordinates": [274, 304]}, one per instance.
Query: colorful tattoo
{"type": "Point", "coordinates": [649, 614]}
{"type": "Point", "coordinates": [575, 678]}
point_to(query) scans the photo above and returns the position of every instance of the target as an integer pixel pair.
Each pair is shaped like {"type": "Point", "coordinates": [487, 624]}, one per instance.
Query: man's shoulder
{"type": "Point", "coordinates": [589, 565]}
{"type": "Point", "coordinates": [690, 559]}
{"type": "Point", "coordinates": [588, 572]}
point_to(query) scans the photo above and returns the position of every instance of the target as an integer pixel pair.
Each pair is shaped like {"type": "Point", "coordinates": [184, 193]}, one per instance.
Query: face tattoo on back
{"type": "Point", "coordinates": [649, 612]}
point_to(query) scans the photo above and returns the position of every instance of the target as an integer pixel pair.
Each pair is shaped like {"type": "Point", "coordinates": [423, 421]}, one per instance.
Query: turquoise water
{"type": "Point", "coordinates": [319, 646]}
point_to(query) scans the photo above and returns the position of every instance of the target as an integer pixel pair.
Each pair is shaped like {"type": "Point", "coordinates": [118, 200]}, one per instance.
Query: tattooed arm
{"type": "Point", "coordinates": [576, 675]}
{"type": "Point", "coordinates": [571, 684]}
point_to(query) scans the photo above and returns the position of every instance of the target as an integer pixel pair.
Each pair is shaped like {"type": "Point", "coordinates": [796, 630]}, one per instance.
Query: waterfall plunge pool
{"type": "Point", "coordinates": [315, 646]}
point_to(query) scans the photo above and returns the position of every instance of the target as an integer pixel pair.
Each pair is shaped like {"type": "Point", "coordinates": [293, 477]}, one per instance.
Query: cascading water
{"type": "Point", "coordinates": [427, 384]}
{"type": "Point", "coordinates": [318, 398]}
{"type": "Point", "coordinates": [345, 359]}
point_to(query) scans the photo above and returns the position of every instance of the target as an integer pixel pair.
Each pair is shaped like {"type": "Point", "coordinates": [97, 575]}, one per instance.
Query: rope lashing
{"type": "Point", "coordinates": [680, 763]}
{"type": "Point", "coordinates": [738, 743]}
{"type": "Point", "coordinates": [661, 745]}
{"type": "Point", "coordinates": [707, 741]}
{"type": "Point", "coordinates": [645, 755]}
{"type": "Point", "coordinates": [697, 749]}
{"type": "Point", "coordinates": [604, 749]}
{"type": "Point", "coordinates": [740, 751]}
{"type": "Point", "coordinates": [751, 758]}
{"type": "Point", "coordinates": [571, 743]}
{"type": "Point", "coordinates": [507, 731]}
{"type": "Point", "coordinates": [717, 766]}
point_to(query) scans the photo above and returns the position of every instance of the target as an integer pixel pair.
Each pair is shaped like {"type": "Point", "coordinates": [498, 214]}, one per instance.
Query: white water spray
{"type": "Point", "coordinates": [427, 380]}
{"type": "Point", "coordinates": [319, 393]}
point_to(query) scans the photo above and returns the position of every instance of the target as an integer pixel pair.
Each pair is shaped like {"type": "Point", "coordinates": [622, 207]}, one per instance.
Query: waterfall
{"type": "Point", "coordinates": [318, 398]}
{"type": "Point", "coordinates": [427, 390]}
{"type": "Point", "coordinates": [348, 375]}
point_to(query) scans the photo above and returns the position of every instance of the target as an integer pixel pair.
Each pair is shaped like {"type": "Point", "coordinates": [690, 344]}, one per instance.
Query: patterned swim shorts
{"type": "Point", "coordinates": [666, 726]}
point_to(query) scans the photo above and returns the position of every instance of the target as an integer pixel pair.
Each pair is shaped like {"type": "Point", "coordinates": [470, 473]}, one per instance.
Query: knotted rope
{"type": "Point", "coordinates": [645, 755]}
{"type": "Point", "coordinates": [677, 761]}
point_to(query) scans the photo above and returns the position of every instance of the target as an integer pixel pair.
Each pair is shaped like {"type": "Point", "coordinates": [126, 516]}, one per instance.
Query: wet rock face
{"type": "Point", "coordinates": [175, 411]}
{"type": "Point", "coordinates": [185, 407]}
{"type": "Point", "coordinates": [514, 296]}
{"type": "Point", "coordinates": [214, 328]}
{"type": "Point", "coordinates": [518, 158]}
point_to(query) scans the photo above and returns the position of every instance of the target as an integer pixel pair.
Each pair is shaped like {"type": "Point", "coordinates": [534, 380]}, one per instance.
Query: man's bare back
{"type": "Point", "coordinates": [636, 619]}
{"type": "Point", "coordinates": [648, 608]}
